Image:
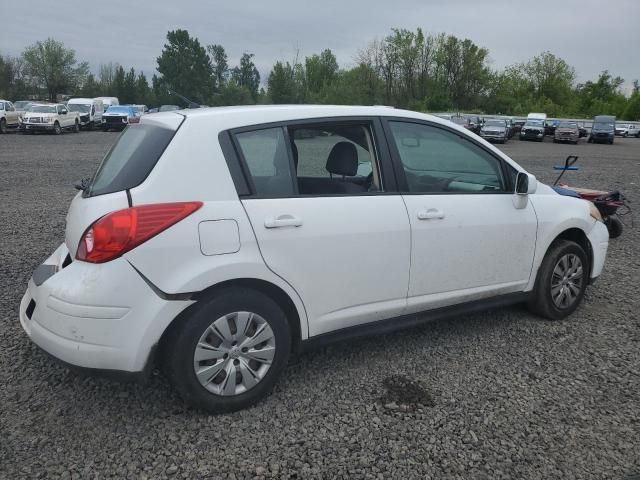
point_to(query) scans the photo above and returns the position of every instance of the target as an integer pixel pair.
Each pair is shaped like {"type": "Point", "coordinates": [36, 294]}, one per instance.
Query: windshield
{"type": "Point", "coordinates": [43, 108]}
{"type": "Point", "coordinates": [603, 125]}
{"type": "Point", "coordinates": [494, 123]}
{"type": "Point", "coordinates": [21, 105]}
{"type": "Point", "coordinates": [79, 107]}
{"type": "Point", "coordinates": [534, 123]}
{"type": "Point", "coordinates": [118, 110]}
{"type": "Point", "coordinates": [139, 108]}
{"type": "Point", "coordinates": [568, 125]}
{"type": "Point", "coordinates": [131, 159]}
{"type": "Point", "coordinates": [168, 108]}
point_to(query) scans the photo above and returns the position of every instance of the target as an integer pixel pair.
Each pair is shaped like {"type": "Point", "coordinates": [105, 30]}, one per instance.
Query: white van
{"type": "Point", "coordinates": [90, 110]}
{"type": "Point", "coordinates": [108, 101]}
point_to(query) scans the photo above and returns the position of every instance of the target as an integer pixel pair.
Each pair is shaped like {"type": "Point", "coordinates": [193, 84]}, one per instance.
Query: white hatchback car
{"type": "Point", "coordinates": [215, 241]}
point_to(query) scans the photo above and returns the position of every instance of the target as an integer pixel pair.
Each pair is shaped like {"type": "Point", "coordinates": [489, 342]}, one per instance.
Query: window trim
{"type": "Point", "coordinates": [244, 182]}
{"type": "Point", "coordinates": [403, 186]}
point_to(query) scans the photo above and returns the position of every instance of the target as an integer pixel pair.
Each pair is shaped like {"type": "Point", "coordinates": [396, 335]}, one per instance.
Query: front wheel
{"type": "Point", "coordinates": [561, 281]}
{"type": "Point", "coordinates": [3, 126]}
{"type": "Point", "coordinates": [57, 129]}
{"type": "Point", "coordinates": [229, 351]}
{"type": "Point", "coordinates": [76, 127]}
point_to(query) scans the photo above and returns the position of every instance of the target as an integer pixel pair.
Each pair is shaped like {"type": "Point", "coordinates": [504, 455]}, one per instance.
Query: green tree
{"type": "Point", "coordinates": [602, 97]}
{"type": "Point", "coordinates": [320, 70]}
{"type": "Point", "coordinates": [220, 65]}
{"type": "Point", "coordinates": [632, 110]}
{"type": "Point", "coordinates": [234, 94]}
{"type": "Point", "coordinates": [246, 75]}
{"type": "Point", "coordinates": [118, 85]}
{"type": "Point", "coordinates": [14, 81]}
{"type": "Point", "coordinates": [54, 67]}
{"type": "Point", "coordinates": [550, 77]}
{"type": "Point", "coordinates": [128, 92]}
{"type": "Point", "coordinates": [91, 87]}
{"type": "Point", "coordinates": [185, 67]}
{"type": "Point", "coordinates": [143, 92]}
{"type": "Point", "coordinates": [281, 85]}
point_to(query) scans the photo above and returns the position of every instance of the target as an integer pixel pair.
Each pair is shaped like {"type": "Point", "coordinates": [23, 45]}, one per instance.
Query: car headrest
{"type": "Point", "coordinates": [343, 159]}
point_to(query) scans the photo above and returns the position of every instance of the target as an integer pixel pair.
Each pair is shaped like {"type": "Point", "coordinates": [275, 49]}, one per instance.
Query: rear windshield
{"type": "Point", "coordinates": [131, 159]}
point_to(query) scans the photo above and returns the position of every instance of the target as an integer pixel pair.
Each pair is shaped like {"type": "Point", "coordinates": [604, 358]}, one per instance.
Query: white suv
{"type": "Point", "coordinates": [216, 241]}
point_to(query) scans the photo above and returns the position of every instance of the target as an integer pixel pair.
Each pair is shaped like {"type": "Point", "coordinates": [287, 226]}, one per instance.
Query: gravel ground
{"type": "Point", "coordinates": [500, 394]}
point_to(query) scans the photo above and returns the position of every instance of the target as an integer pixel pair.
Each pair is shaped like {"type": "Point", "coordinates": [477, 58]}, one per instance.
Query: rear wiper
{"type": "Point", "coordinates": [83, 184]}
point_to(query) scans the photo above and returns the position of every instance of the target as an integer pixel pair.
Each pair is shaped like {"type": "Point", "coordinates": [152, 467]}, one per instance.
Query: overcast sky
{"type": "Point", "coordinates": [591, 35]}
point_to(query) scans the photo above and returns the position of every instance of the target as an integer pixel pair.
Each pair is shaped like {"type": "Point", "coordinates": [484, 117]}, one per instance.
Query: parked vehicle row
{"type": "Point", "coordinates": [78, 113]}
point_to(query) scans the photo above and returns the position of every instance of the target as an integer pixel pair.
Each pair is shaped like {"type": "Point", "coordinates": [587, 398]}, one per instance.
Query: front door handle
{"type": "Point", "coordinates": [280, 221]}
{"type": "Point", "coordinates": [431, 214]}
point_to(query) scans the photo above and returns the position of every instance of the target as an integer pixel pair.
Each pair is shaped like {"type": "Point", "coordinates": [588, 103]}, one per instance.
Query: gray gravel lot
{"type": "Point", "coordinates": [511, 396]}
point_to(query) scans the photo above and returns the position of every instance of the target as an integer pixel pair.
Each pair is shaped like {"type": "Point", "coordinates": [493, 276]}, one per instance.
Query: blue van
{"type": "Point", "coordinates": [603, 130]}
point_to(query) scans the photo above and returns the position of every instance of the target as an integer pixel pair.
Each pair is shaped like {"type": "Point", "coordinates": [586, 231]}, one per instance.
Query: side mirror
{"type": "Point", "coordinates": [526, 183]}
{"type": "Point", "coordinates": [63, 112]}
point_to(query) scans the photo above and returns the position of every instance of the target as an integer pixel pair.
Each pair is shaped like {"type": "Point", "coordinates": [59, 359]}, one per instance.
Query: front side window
{"type": "Point", "coordinates": [439, 161]}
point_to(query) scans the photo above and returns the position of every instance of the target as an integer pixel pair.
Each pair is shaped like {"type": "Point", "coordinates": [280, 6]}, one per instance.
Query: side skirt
{"type": "Point", "coordinates": [406, 321]}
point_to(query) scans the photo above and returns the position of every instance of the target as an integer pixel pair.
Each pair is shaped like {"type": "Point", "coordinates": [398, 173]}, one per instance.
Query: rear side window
{"type": "Point", "coordinates": [265, 154]}
{"type": "Point", "coordinates": [131, 159]}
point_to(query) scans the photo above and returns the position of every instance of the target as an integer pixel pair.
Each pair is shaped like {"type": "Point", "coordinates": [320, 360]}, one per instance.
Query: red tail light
{"type": "Point", "coordinates": [116, 233]}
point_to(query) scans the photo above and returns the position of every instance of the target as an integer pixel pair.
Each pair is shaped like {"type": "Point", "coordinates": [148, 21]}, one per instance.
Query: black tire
{"type": "Point", "coordinates": [76, 127]}
{"type": "Point", "coordinates": [590, 140]}
{"type": "Point", "coordinates": [57, 129]}
{"type": "Point", "coordinates": [91, 126]}
{"type": "Point", "coordinates": [179, 351]}
{"type": "Point", "coordinates": [555, 141]}
{"type": "Point", "coordinates": [615, 226]}
{"type": "Point", "coordinates": [625, 134]}
{"type": "Point", "coordinates": [105, 128]}
{"type": "Point", "coordinates": [3, 126]}
{"type": "Point", "coordinates": [541, 301]}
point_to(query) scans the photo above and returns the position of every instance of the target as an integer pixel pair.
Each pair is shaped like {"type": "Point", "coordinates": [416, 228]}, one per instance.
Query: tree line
{"type": "Point", "coordinates": [406, 69]}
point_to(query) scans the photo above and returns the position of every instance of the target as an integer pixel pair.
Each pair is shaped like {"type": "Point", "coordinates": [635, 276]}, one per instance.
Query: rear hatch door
{"type": "Point", "coordinates": [126, 165]}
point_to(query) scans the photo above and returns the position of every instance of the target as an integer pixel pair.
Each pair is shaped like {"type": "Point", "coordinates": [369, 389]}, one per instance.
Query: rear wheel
{"type": "Point", "coordinates": [228, 353]}
{"type": "Point", "coordinates": [561, 281]}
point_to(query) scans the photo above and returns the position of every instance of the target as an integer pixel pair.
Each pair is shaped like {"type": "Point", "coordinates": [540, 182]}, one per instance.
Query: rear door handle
{"type": "Point", "coordinates": [281, 221]}
{"type": "Point", "coordinates": [431, 214]}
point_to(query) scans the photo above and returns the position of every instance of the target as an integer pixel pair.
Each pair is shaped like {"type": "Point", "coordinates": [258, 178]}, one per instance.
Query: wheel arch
{"type": "Point", "coordinates": [578, 236]}
{"type": "Point", "coordinates": [269, 289]}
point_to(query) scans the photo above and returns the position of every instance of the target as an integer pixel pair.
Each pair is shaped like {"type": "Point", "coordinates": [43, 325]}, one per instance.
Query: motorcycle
{"type": "Point", "coordinates": [611, 205]}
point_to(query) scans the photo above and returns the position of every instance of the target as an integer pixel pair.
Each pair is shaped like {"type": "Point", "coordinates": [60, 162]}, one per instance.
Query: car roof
{"type": "Point", "coordinates": [225, 118]}
{"type": "Point", "coordinates": [257, 114]}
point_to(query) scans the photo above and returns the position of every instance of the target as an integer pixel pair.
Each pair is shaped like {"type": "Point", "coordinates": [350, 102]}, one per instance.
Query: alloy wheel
{"type": "Point", "coordinates": [567, 280]}
{"type": "Point", "coordinates": [234, 353]}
